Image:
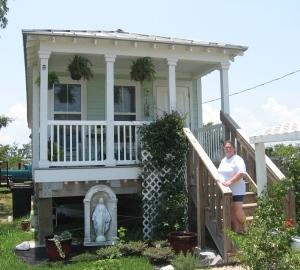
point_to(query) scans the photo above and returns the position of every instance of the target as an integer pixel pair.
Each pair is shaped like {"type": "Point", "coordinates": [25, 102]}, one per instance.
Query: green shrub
{"type": "Point", "coordinates": [184, 262]}
{"type": "Point", "coordinates": [132, 248]}
{"type": "Point", "coordinates": [111, 252]}
{"type": "Point", "coordinates": [84, 257]}
{"type": "Point", "coordinates": [159, 255]}
{"type": "Point", "coordinates": [161, 243]}
{"type": "Point", "coordinates": [165, 140]}
{"type": "Point", "coordinates": [107, 264]}
{"type": "Point", "coordinates": [266, 244]}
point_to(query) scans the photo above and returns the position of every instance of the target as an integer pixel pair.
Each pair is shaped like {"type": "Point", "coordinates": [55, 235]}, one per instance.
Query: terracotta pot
{"type": "Point", "coordinates": [182, 241]}
{"type": "Point", "coordinates": [52, 251]}
{"type": "Point", "coordinates": [25, 225]}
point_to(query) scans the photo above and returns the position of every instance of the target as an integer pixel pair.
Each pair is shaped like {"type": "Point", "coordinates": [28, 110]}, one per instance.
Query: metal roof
{"type": "Point", "coordinates": [285, 132]}
{"type": "Point", "coordinates": [122, 35]}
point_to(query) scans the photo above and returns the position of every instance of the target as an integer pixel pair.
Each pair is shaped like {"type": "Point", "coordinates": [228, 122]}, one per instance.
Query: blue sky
{"type": "Point", "coordinates": [270, 28]}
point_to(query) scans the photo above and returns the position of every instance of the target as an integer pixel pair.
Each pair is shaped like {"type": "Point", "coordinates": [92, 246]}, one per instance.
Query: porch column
{"type": "Point", "coordinates": [261, 170]}
{"type": "Point", "coordinates": [172, 84]}
{"type": "Point", "coordinates": [44, 57]}
{"type": "Point", "coordinates": [199, 101]}
{"type": "Point", "coordinates": [224, 67]}
{"type": "Point", "coordinates": [109, 86]}
{"type": "Point", "coordinates": [35, 120]}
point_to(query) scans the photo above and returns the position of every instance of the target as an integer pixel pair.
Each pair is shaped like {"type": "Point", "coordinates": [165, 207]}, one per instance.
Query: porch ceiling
{"type": "Point", "coordinates": [190, 68]}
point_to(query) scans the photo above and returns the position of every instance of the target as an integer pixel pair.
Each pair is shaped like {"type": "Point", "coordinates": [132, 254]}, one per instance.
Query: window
{"type": "Point", "coordinates": [67, 102]}
{"type": "Point", "coordinates": [124, 103]}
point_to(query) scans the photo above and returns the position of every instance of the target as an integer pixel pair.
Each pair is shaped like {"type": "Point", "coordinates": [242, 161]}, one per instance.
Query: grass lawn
{"type": "Point", "coordinates": [11, 235]}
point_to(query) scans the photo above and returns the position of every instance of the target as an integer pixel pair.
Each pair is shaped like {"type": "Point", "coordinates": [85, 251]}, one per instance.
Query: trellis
{"type": "Point", "coordinates": [151, 192]}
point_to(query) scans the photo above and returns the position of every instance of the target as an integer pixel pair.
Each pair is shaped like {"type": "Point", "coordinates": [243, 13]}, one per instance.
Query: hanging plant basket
{"type": "Point", "coordinates": [142, 70]}
{"type": "Point", "coordinates": [80, 67]}
{"type": "Point", "coordinates": [52, 79]}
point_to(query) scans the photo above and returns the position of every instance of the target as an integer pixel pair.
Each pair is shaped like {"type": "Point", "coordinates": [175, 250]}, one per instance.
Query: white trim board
{"type": "Point", "coordinates": [86, 174]}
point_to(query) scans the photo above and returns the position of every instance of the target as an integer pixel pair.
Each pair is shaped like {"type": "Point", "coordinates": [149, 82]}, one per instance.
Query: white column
{"type": "Point", "coordinates": [109, 85]}
{"type": "Point", "coordinates": [35, 120]}
{"type": "Point", "coordinates": [261, 171]}
{"type": "Point", "coordinates": [199, 101]}
{"type": "Point", "coordinates": [44, 57]}
{"type": "Point", "coordinates": [224, 85]}
{"type": "Point", "coordinates": [172, 83]}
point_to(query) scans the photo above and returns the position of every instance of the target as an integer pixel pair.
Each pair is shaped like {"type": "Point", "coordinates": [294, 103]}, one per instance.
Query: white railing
{"type": "Point", "coordinates": [74, 143]}
{"type": "Point", "coordinates": [127, 143]}
{"type": "Point", "coordinates": [83, 143]}
{"type": "Point", "coordinates": [211, 139]}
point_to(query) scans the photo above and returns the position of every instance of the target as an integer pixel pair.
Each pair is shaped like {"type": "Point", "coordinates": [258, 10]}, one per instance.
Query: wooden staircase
{"type": "Point", "coordinates": [211, 199]}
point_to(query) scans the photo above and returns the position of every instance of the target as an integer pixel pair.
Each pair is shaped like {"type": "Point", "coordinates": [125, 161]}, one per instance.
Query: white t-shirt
{"type": "Point", "coordinates": [228, 168]}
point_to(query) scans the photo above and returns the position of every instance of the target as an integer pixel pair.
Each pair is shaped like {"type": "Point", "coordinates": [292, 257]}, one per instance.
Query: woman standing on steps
{"type": "Point", "coordinates": [231, 170]}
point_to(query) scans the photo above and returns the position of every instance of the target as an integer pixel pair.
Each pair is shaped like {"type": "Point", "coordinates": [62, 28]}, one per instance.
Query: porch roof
{"type": "Point", "coordinates": [122, 35]}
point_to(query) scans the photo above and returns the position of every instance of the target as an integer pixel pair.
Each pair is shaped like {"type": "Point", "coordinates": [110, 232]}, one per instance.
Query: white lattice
{"type": "Point", "coordinates": [151, 193]}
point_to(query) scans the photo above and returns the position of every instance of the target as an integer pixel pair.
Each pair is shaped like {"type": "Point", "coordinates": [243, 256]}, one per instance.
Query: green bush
{"type": "Point", "coordinates": [84, 257]}
{"type": "Point", "coordinates": [165, 140]}
{"type": "Point", "coordinates": [159, 255]}
{"type": "Point", "coordinates": [107, 264]}
{"type": "Point", "coordinates": [184, 262]}
{"type": "Point", "coordinates": [161, 243]}
{"type": "Point", "coordinates": [132, 248]}
{"type": "Point", "coordinates": [266, 244]}
{"type": "Point", "coordinates": [111, 252]}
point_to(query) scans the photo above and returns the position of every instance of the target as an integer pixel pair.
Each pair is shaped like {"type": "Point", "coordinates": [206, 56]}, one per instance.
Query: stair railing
{"type": "Point", "coordinates": [234, 133]}
{"type": "Point", "coordinates": [211, 198]}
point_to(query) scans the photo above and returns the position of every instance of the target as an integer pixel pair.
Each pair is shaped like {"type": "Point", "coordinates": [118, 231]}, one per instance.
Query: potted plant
{"type": "Point", "coordinates": [80, 67]}
{"type": "Point", "coordinates": [58, 247]}
{"type": "Point", "coordinates": [182, 241]}
{"type": "Point", "coordinates": [142, 69]}
{"type": "Point", "coordinates": [52, 79]}
{"type": "Point", "coordinates": [25, 225]}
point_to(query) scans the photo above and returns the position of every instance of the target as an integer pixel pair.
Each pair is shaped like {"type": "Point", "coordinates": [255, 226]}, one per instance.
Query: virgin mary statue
{"type": "Point", "coordinates": [101, 219]}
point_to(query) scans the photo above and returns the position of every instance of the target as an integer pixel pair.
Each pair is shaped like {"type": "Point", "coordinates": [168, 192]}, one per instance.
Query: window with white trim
{"type": "Point", "coordinates": [124, 103]}
{"type": "Point", "coordinates": [67, 102]}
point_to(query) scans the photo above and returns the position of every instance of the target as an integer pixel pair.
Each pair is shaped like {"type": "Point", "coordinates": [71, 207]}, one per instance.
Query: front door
{"type": "Point", "coordinates": [182, 102]}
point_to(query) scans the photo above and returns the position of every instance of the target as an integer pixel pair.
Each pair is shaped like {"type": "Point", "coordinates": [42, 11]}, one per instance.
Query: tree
{"type": "Point", "coordinates": [4, 121]}
{"type": "Point", "coordinates": [3, 13]}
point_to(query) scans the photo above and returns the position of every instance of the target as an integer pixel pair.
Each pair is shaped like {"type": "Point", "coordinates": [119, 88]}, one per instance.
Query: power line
{"type": "Point", "coordinates": [256, 86]}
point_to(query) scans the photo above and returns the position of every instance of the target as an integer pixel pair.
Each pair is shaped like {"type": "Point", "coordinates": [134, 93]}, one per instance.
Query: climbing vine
{"type": "Point", "coordinates": [165, 141]}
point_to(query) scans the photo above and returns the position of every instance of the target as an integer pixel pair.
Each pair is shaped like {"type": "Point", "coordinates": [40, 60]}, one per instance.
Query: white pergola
{"type": "Point", "coordinates": [285, 132]}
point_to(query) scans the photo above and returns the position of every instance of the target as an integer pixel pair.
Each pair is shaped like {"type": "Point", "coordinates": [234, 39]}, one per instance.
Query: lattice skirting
{"type": "Point", "coordinates": [151, 193]}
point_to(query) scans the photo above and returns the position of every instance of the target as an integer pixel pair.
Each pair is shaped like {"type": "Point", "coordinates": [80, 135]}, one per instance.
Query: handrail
{"type": "Point", "coordinates": [206, 160]}
{"type": "Point", "coordinates": [236, 131]}
{"type": "Point", "coordinates": [212, 200]}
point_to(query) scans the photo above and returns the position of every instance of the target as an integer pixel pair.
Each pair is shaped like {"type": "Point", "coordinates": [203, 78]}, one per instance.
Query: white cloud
{"type": "Point", "coordinates": [17, 131]}
{"type": "Point", "coordinates": [210, 114]}
{"type": "Point", "coordinates": [280, 113]}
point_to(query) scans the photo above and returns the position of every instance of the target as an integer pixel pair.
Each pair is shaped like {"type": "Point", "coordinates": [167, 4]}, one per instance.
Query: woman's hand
{"type": "Point", "coordinates": [227, 183]}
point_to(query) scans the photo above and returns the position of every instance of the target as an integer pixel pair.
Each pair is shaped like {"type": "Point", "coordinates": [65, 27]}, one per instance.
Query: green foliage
{"type": "Point", "coordinates": [161, 243]}
{"type": "Point", "coordinates": [132, 248]}
{"type": "Point", "coordinates": [142, 69]}
{"type": "Point", "coordinates": [52, 79]}
{"type": "Point", "coordinates": [4, 121]}
{"type": "Point", "coordinates": [184, 262]}
{"type": "Point", "coordinates": [110, 252]}
{"type": "Point", "coordinates": [14, 154]}
{"type": "Point", "coordinates": [266, 244]}
{"type": "Point", "coordinates": [159, 255]}
{"type": "Point", "coordinates": [107, 264]}
{"type": "Point", "coordinates": [3, 13]}
{"type": "Point", "coordinates": [85, 257]}
{"type": "Point", "coordinates": [165, 141]}
{"type": "Point", "coordinates": [288, 159]}
{"type": "Point", "coordinates": [80, 67]}
{"type": "Point", "coordinates": [122, 234]}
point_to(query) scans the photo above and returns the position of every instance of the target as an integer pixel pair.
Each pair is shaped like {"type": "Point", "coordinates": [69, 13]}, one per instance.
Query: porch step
{"type": "Point", "coordinates": [250, 197]}
{"type": "Point", "coordinates": [249, 208]}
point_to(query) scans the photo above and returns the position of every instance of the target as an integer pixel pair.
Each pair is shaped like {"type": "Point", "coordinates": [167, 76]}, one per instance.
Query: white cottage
{"type": "Point", "coordinates": [84, 133]}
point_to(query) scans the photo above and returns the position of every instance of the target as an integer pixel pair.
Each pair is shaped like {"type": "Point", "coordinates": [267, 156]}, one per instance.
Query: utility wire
{"type": "Point", "coordinates": [256, 86]}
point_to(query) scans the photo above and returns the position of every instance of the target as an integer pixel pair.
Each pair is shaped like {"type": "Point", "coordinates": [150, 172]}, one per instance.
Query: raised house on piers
{"type": "Point", "coordinates": [84, 132]}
